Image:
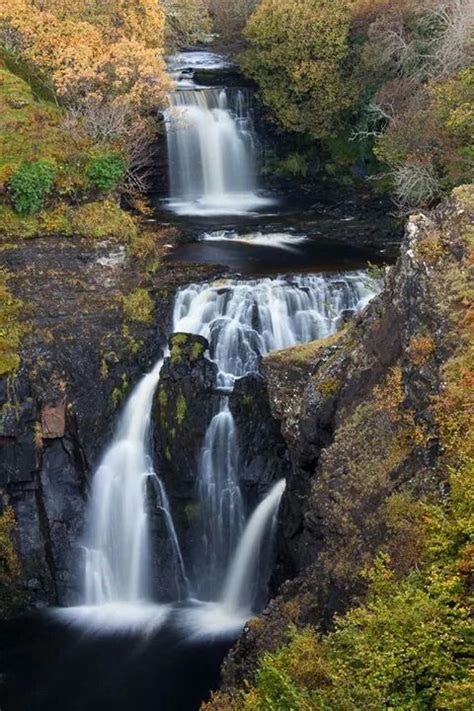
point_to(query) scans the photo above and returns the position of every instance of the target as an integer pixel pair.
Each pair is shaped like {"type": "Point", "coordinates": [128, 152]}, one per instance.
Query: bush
{"type": "Point", "coordinates": [301, 82]}
{"type": "Point", "coordinates": [29, 185]}
{"type": "Point", "coordinates": [106, 171]}
{"type": "Point", "coordinates": [103, 219]}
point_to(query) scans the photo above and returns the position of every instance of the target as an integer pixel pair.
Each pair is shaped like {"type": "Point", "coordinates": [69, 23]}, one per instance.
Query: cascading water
{"type": "Point", "coordinates": [243, 579]}
{"type": "Point", "coordinates": [242, 321]}
{"type": "Point", "coordinates": [221, 505]}
{"type": "Point", "coordinates": [117, 555]}
{"type": "Point", "coordinates": [212, 153]}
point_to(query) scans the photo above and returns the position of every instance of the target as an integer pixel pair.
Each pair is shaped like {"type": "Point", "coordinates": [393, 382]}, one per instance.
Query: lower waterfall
{"type": "Point", "coordinates": [242, 583]}
{"type": "Point", "coordinates": [221, 505]}
{"type": "Point", "coordinates": [242, 320]}
{"type": "Point", "coordinates": [117, 557]}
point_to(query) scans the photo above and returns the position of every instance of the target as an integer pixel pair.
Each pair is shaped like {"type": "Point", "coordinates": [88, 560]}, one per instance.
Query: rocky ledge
{"type": "Point", "coordinates": [360, 417]}
{"type": "Point", "coordinates": [94, 318]}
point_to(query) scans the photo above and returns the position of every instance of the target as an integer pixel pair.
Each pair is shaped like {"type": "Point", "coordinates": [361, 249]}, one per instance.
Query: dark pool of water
{"type": "Point", "coordinates": [46, 665]}
{"type": "Point", "coordinates": [314, 255]}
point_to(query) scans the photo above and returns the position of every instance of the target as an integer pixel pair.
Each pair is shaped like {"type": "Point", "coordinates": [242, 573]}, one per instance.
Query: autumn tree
{"type": "Point", "coordinates": [296, 56]}
{"type": "Point", "coordinates": [102, 50]}
{"type": "Point", "coordinates": [104, 62]}
{"type": "Point", "coordinates": [230, 18]}
{"type": "Point", "coordinates": [413, 68]}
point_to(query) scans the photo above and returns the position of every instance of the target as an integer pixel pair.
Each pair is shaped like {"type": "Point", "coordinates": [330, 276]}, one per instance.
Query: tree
{"type": "Point", "coordinates": [296, 57]}
{"type": "Point", "coordinates": [187, 22]}
{"type": "Point", "coordinates": [100, 50]}
{"type": "Point", "coordinates": [230, 18]}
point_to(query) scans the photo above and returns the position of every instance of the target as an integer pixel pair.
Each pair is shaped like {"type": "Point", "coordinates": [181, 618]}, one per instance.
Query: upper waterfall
{"type": "Point", "coordinates": [212, 148]}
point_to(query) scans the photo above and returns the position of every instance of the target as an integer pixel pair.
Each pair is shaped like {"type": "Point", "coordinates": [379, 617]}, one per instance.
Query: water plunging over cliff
{"type": "Point", "coordinates": [243, 320]}
{"type": "Point", "coordinates": [242, 582]}
{"type": "Point", "coordinates": [117, 565]}
{"type": "Point", "coordinates": [212, 153]}
{"type": "Point", "coordinates": [221, 505]}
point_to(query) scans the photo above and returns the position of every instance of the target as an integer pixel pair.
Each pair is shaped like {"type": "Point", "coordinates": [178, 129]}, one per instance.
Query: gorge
{"type": "Point", "coordinates": [174, 476]}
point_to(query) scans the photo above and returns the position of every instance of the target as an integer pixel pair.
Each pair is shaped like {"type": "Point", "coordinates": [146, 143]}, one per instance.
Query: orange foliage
{"type": "Point", "coordinates": [93, 49]}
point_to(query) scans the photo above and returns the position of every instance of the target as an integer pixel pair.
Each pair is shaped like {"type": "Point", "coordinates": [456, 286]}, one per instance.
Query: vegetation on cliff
{"type": "Point", "coordinates": [372, 80]}
{"type": "Point", "coordinates": [405, 478]}
{"type": "Point", "coordinates": [11, 327]}
{"type": "Point", "coordinates": [9, 562]}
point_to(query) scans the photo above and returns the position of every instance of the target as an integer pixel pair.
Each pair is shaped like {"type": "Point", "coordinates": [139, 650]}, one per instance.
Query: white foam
{"type": "Point", "coordinates": [114, 617]}
{"type": "Point", "coordinates": [210, 619]}
{"type": "Point", "coordinates": [221, 205]}
{"type": "Point", "coordinates": [278, 240]}
{"type": "Point", "coordinates": [197, 60]}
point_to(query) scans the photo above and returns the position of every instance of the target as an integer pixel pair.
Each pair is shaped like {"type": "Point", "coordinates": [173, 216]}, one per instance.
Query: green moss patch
{"type": "Point", "coordinates": [138, 306]}
{"type": "Point", "coordinates": [11, 328]}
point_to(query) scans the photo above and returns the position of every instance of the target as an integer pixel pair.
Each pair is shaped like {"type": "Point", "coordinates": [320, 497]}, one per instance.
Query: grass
{"type": "Point", "coordinates": [11, 328]}
{"type": "Point", "coordinates": [303, 354]}
{"type": "Point", "coordinates": [32, 129]}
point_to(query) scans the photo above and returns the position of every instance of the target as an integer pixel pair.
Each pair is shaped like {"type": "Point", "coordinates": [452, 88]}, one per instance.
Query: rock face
{"type": "Point", "coordinates": [184, 405]}
{"type": "Point", "coordinates": [79, 359]}
{"type": "Point", "coordinates": [263, 452]}
{"type": "Point", "coordinates": [358, 414]}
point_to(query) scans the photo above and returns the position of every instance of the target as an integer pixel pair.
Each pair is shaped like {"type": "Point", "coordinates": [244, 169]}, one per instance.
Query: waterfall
{"type": "Point", "coordinates": [212, 153]}
{"type": "Point", "coordinates": [243, 320]}
{"type": "Point", "coordinates": [117, 554]}
{"type": "Point", "coordinates": [242, 582]}
{"type": "Point", "coordinates": [221, 507]}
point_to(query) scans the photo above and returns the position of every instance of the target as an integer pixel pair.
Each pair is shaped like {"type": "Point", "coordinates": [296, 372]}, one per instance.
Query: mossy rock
{"type": "Point", "coordinates": [187, 347]}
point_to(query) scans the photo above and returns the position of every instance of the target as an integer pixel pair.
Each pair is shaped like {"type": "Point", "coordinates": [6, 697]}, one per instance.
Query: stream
{"type": "Point", "coordinates": [293, 272]}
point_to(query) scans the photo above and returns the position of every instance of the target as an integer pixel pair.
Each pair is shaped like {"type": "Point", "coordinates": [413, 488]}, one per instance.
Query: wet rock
{"type": "Point", "coordinates": [357, 415]}
{"type": "Point", "coordinates": [184, 404]}
{"type": "Point", "coordinates": [79, 359]}
{"type": "Point", "coordinates": [263, 451]}
{"type": "Point", "coordinates": [53, 419]}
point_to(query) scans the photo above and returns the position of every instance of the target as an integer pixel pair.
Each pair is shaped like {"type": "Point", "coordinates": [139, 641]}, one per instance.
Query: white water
{"type": "Point", "coordinates": [212, 153]}
{"type": "Point", "coordinates": [244, 320]}
{"type": "Point", "coordinates": [222, 518]}
{"type": "Point", "coordinates": [117, 554]}
{"type": "Point", "coordinates": [241, 585]}
{"type": "Point", "coordinates": [278, 240]}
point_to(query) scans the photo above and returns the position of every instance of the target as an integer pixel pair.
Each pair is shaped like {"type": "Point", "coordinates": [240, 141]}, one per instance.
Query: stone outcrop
{"type": "Point", "coordinates": [358, 414]}
{"type": "Point", "coordinates": [263, 451]}
{"type": "Point", "coordinates": [79, 358]}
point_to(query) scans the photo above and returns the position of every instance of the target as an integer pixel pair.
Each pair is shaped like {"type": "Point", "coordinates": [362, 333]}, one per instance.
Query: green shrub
{"type": "Point", "coordinates": [29, 185]}
{"type": "Point", "coordinates": [106, 171]}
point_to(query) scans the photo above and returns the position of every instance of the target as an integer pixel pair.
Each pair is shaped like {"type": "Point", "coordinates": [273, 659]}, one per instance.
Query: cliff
{"type": "Point", "coordinates": [91, 318]}
{"type": "Point", "coordinates": [376, 422]}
